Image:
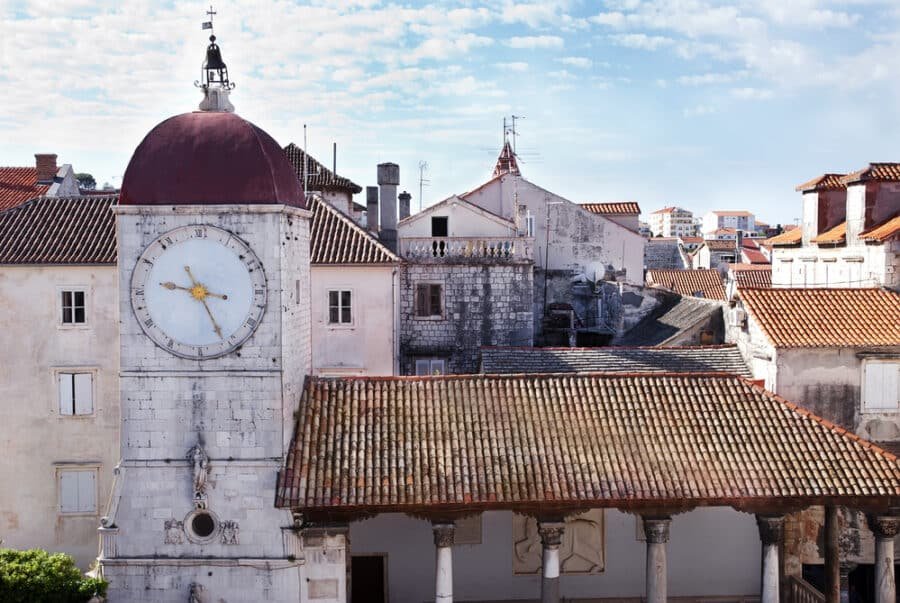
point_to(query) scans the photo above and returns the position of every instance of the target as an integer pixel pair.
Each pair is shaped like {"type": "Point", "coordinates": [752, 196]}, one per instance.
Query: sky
{"type": "Point", "coordinates": [698, 103]}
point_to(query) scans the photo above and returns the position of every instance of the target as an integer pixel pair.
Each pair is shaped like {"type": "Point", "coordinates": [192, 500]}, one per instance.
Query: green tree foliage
{"type": "Point", "coordinates": [86, 181]}
{"type": "Point", "coordinates": [37, 576]}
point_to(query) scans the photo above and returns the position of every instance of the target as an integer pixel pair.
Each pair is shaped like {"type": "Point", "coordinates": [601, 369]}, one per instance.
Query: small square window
{"type": "Point", "coordinates": [429, 300]}
{"type": "Point", "coordinates": [73, 312]}
{"type": "Point", "coordinates": [430, 366]}
{"type": "Point", "coordinates": [76, 394]}
{"type": "Point", "coordinates": [881, 386]}
{"type": "Point", "coordinates": [78, 491]}
{"type": "Point", "coordinates": [340, 307]}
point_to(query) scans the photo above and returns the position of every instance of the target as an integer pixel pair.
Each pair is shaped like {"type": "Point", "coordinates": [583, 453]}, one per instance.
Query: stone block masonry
{"type": "Point", "coordinates": [481, 304]}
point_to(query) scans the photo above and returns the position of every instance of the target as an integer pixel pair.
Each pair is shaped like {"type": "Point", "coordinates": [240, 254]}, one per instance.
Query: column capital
{"type": "Point", "coordinates": [656, 529]}
{"type": "Point", "coordinates": [771, 528]}
{"type": "Point", "coordinates": [443, 534]}
{"type": "Point", "coordinates": [551, 533]}
{"type": "Point", "coordinates": [884, 526]}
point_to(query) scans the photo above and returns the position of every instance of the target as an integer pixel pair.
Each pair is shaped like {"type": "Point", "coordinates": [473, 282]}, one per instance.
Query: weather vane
{"type": "Point", "coordinates": [211, 13]}
{"type": "Point", "coordinates": [214, 72]}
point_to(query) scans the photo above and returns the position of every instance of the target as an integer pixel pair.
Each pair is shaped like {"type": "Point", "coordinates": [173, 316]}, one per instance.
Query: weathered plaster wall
{"type": "Point", "coordinates": [719, 544]}
{"type": "Point", "coordinates": [368, 345]}
{"type": "Point", "coordinates": [463, 220]}
{"type": "Point", "coordinates": [36, 441]}
{"type": "Point", "coordinates": [845, 266]}
{"type": "Point", "coordinates": [483, 304]}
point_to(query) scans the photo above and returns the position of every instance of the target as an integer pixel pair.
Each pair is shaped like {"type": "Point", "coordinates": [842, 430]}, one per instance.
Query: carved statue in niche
{"type": "Point", "coordinates": [200, 469]}
{"type": "Point", "coordinates": [581, 550]}
{"type": "Point", "coordinates": [174, 531]}
{"type": "Point", "coordinates": [198, 594]}
{"type": "Point", "coordinates": [230, 531]}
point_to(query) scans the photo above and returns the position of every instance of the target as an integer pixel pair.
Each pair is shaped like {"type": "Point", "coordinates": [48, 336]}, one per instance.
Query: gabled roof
{"type": "Point", "coordinates": [752, 275]}
{"type": "Point", "coordinates": [469, 443]}
{"type": "Point", "coordinates": [670, 320]}
{"type": "Point", "coordinates": [621, 208]}
{"type": "Point", "coordinates": [752, 253]}
{"type": "Point", "coordinates": [688, 359]}
{"type": "Point", "coordinates": [825, 182]}
{"type": "Point", "coordinates": [882, 172]}
{"type": "Point", "coordinates": [462, 202]}
{"type": "Point", "coordinates": [788, 238]}
{"type": "Point", "coordinates": [318, 177]}
{"type": "Point", "coordinates": [721, 244]}
{"type": "Point", "coordinates": [336, 239]}
{"type": "Point", "coordinates": [811, 318]}
{"type": "Point", "coordinates": [59, 230]}
{"type": "Point", "coordinates": [882, 232]}
{"type": "Point", "coordinates": [18, 185]}
{"type": "Point", "coordinates": [506, 162]}
{"type": "Point", "coordinates": [732, 212]}
{"type": "Point", "coordinates": [833, 236]}
{"type": "Point", "coordinates": [689, 282]}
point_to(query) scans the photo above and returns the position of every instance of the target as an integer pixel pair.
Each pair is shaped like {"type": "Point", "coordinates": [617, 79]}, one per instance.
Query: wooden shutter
{"type": "Point", "coordinates": [881, 386]}
{"type": "Point", "coordinates": [84, 394]}
{"type": "Point", "coordinates": [78, 491]}
{"type": "Point", "coordinates": [68, 492]}
{"type": "Point", "coordinates": [66, 394]}
{"type": "Point", "coordinates": [87, 491]}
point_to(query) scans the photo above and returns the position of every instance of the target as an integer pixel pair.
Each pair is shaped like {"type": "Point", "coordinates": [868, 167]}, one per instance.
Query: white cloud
{"type": "Point", "coordinates": [700, 111]}
{"type": "Point", "coordinates": [531, 42]}
{"type": "Point", "coordinates": [580, 62]}
{"type": "Point", "coordinates": [706, 79]}
{"type": "Point", "coordinates": [518, 66]}
{"type": "Point", "coordinates": [752, 93]}
{"type": "Point", "coordinates": [641, 41]}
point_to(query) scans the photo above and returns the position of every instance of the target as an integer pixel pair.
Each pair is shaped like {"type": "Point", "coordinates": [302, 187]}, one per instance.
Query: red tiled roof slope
{"type": "Point", "coordinates": [18, 185]}
{"type": "Point", "coordinates": [689, 282]}
{"type": "Point", "coordinates": [757, 279]}
{"type": "Point", "coordinates": [59, 230]}
{"type": "Point", "coordinates": [825, 182]}
{"type": "Point", "coordinates": [318, 177]}
{"type": "Point", "coordinates": [882, 232]}
{"type": "Point", "coordinates": [627, 208]}
{"type": "Point", "coordinates": [721, 244]}
{"type": "Point", "coordinates": [566, 441]}
{"type": "Point", "coordinates": [884, 172]}
{"type": "Point", "coordinates": [833, 236]}
{"type": "Point", "coordinates": [809, 318]}
{"type": "Point", "coordinates": [786, 239]}
{"type": "Point", "coordinates": [336, 239]}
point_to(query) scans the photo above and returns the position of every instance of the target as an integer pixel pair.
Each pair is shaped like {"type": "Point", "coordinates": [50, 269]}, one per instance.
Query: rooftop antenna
{"type": "Point", "coordinates": [513, 131]}
{"type": "Point", "coordinates": [423, 182]}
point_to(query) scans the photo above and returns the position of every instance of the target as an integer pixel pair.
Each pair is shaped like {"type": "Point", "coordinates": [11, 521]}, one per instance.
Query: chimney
{"type": "Point", "coordinates": [388, 180]}
{"type": "Point", "coordinates": [372, 208]}
{"type": "Point", "coordinates": [46, 167]}
{"type": "Point", "coordinates": [405, 198]}
{"type": "Point", "coordinates": [740, 244]}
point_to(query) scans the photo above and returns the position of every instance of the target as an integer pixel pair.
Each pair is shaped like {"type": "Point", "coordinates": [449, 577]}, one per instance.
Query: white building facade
{"type": "Point", "coordinates": [672, 222]}
{"type": "Point", "coordinates": [736, 219]}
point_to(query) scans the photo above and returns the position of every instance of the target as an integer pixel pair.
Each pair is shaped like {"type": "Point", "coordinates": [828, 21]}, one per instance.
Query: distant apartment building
{"type": "Point", "coordinates": [672, 222]}
{"type": "Point", "coordinates": [727, 218]}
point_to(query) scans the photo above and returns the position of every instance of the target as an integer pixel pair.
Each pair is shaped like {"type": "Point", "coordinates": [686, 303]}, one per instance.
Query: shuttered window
{"type": "Point", "coordinates": [78, 491]}
{"type": "Point", "coordinates": [76, 393]}
{"type": "Point", "coordinates": [428, 299]}
{"type": "Point", "coordinates": [882, 386]}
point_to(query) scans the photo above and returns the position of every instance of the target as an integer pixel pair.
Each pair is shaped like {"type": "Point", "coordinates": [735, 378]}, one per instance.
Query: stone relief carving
{"type": "Point", "coordinates": [174, 531]}
{"type": "Point", "coordinates": [581, 548]}
{"type": "Point", "coordinates": [230, 531]}
{"type": "Point", "coordinates": [200, 471]}
{"type": "Point", "coordinates": [197, 594]}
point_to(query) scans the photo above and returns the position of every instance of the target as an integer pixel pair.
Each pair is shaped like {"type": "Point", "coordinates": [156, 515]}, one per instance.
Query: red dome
{"type": "Point", "coordinates": [209, 158]}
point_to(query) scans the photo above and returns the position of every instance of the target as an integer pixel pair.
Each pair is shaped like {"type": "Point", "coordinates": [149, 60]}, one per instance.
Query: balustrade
{"type": "Point", "coordinates": [476, 248]}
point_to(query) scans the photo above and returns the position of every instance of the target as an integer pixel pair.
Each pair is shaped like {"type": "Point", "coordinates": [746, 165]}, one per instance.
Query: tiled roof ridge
{"type": "Point", "coordinates": [827, 181]}
{"type": "Point", "coordinates": [876, 170]}
{"type": "Point", "coordinates": [883, 230]}
{"type": "Point", "coordinates": [613, 347]}
{"type": "Point", "coordinates": [521, 376]}
{"type": "Point", "coordinates": [820, 420]}
{"type": "Point", "coordinates": [324, 177]}
{"type": "Point", "coordinates": [353, 227]}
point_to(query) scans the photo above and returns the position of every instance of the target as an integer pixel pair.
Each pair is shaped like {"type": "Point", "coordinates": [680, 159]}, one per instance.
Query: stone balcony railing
{"type": "Point", "coordinates": [475, 249]}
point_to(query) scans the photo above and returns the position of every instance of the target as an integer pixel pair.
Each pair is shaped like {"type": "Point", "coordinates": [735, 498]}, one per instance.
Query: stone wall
{"type": "Point", "coordinates": [483, 304]}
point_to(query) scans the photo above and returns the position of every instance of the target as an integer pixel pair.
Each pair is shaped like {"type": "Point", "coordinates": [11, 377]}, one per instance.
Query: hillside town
{"type": "Point", "coordinates": [245, 377]}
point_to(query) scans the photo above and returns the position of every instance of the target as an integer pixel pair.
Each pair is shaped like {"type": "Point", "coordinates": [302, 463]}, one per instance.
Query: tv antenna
{"type": "Point", "coordinates": [509, 130]}
{"type": "Point", "coordinates": [423, 182]}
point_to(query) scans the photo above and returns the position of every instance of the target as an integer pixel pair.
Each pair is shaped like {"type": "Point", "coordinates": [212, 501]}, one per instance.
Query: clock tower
{"type": "Point", "coordinates": [213, 256]}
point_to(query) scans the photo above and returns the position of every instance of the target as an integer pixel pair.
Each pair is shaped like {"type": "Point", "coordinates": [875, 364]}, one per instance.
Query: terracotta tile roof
{"type": "Point", "coordinates": [506, 162]}
{"type": "Point", "coordinates": [825, 182]}
{"type": "Point", "coordinates": [668, 210]}
{"type": "Point", "coordinates": [833, 236]}
{"type": "Point", "coordinates": [754, 256]}
{"type": "Point", "coordinates": [882, 232]}
{"type": "Point", "coordinates": [689, 282]}
{"type": "Point", "coordinates": [809, 318]}
{"type": "Point", "coordinates": [627, 208]}
{"type": "Point", "coordinates": [336, 239]}
{"type": "Point", "coordinates": [477, 442]}
{"type": "Point", "coordinates": [787, 238]}
{"type": "Point", "coordinates": [18, 185]}
{"type": "Point", "coordinates": [318, 177]}
{"type": "Point", "coordinates": [687, 359]}
{"type": "Point", "coordinates": [721, 244]}
{"type": "Point", "coordinates": [59, 230]}
{"type": "Point", "coordinates": [670, 320]}
{"type": "Point", "coordinates": [754, 278]}
{"type": "Point", "coordinates": [691, 240]}
{"type": "Point", "coordinates": [884, 172]}
{"type": "Point", "coordinates": [732, 212]}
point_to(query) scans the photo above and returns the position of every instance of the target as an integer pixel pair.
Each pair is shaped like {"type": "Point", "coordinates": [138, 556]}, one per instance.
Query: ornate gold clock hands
{"type": "Point", "coordinates": [172, 286]}
{"type": "Point", "coordinates": [216, 328]}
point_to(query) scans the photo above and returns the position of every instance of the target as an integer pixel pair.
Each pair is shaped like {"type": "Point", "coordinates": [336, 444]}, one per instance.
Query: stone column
{"type": "Point", "coordinates": [443, 560]}
{"type": "Point", "coordinates": [832, 554]}
{"type": "Point", "coordinates": [551, 535]}
{"type": "Point", "coordinates": [885, 529]}
{"type": "Point", "coordinates": [656, 530]}
{"type": "Point", "coordinates": [771, 532]}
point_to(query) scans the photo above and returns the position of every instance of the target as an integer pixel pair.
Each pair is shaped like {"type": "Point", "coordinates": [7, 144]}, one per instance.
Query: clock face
{"type": "Point", "coordinates": [198, 291]}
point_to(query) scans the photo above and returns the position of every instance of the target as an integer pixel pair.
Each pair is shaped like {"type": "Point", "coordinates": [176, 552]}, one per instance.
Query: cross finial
{"type": "Point", "coordinates": [209, 24]}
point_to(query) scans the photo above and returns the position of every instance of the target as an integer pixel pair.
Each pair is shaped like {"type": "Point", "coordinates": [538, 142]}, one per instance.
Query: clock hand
{"type": "Point", "coordinates": [172, 286]}
{"type": "Point", "coordinates": [216, 328]}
